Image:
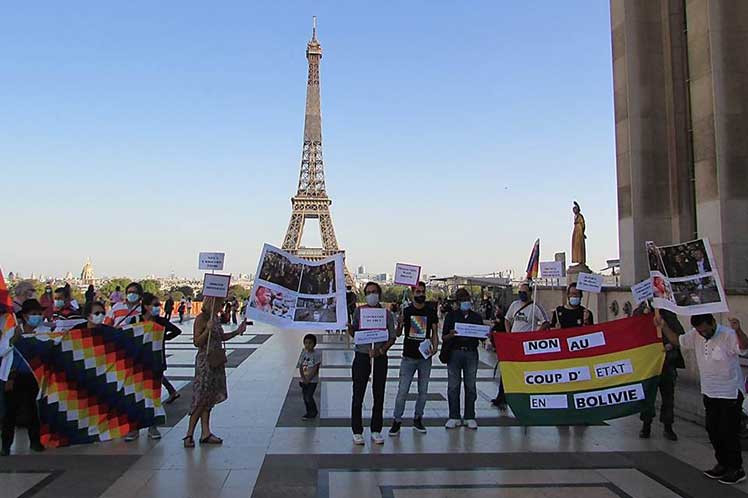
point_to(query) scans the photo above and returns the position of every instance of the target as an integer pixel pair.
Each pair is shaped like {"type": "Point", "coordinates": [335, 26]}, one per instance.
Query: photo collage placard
{"type": "Point", "coordinates": [292, 292]}
{"type": "Point", "coordinates": [685, 278]}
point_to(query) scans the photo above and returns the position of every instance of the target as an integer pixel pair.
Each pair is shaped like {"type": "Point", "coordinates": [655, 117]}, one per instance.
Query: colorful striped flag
{"type": "Point", "coordinates": [582, 375]}
{"type": "Point", "coordinates": [7, 329]}
{"type": "Point", "coordinates": [534, 263]}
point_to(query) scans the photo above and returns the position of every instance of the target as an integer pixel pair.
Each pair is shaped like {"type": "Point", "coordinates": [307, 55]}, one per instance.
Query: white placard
{"type": "Point", "coordinates": [211, 261]}
{"type": "Point", "coordinates": [642, 291]}
{"type": "Point", "coordinates": [542, 346]}
{"type": "Point", "coordinates": [472, 330]}
{"type": "Point", "coordinates": [548, 402]}
{"type": "Point", "coordinates": [587, 341]}
{"type": "Point", "coordinates": [215, 285]}
{"type": "Point", "coordinates": [370, 336]}
{"type": "Point", "coordinates": [608, 397]}
{"type": "Point", "coordinates": [372, 318]}
{"type": "Point", "coordinates": [588, 282]}
{"type": "Point", "coordinates": [425, 349]}
{"type": "Point", "coordinates": [407, 274]}
{"type": "Point", "coordinates": [551, 269]}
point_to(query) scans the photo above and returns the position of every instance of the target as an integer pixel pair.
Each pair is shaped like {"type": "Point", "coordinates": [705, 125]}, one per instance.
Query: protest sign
{"type": "Point", "coordinates": [211, 261]}
{"type": "Point", "coordinates": [425, 349]}
{"type": "Point", "coordinates": [472, 330]}
{"type": "Point", "coordinates": [215, 285]}
{"type": "Point", "coordinates": [551, 269]}
{"type": "Point", "coordinates": [407, 274]}
{"type": "Point", "coordinates": [642, 291]}
{"type": "Point", "coordinates": [581, 375]}
{"type": "Point", "coordinates": [372, 318]}
{"type": "Point", "coordinates": [291, 292]}
{"type": "Point", "coordinates": [589, 282]}
{"type": "Point", "coordinates": [371, 336]}
{"type": "Point", "coordinates": [685, 279]}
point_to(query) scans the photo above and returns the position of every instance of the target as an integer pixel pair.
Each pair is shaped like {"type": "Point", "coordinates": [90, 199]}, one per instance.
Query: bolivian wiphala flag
{"type": "Point", "coordinates": [582, 375]}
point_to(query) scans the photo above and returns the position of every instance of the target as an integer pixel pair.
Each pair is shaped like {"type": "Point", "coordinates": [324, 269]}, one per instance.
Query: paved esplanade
{"type": "Point", "coordinates": [270, 451]}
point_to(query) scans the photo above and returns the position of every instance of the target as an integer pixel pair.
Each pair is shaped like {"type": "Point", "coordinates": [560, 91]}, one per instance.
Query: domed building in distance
{"type": "Point", "coordinates": [87, 273]}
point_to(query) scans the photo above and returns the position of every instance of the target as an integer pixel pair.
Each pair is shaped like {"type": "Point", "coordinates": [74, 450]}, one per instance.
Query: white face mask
{"type": "Point", "coordinates": [97, 319]}
{"type": "Point", "coordinates": [372, 299]}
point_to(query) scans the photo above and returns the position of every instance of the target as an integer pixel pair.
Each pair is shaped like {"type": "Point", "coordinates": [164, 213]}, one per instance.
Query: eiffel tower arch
{"type": "Point", "coordinates": [311, 200]}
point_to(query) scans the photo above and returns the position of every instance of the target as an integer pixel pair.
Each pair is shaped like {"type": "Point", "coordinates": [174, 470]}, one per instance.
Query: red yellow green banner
{"type": "Point", "coordinates": [582, 375]}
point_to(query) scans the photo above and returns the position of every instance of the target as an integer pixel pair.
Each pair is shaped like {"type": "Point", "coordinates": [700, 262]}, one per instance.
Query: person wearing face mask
{"type": "Point", "coordinates": [129, 311]}
{"type": "Point", "coordinates": [462, 363]}
{"type": "Point", "coordinates": [21, 388]}
{"type": "Point", "coordinates": [151, 306]}
{"type": "Point", "coordinates": [96, 314]}
{"type": "Point", "coordinates": [48, 303]}
{"type": "Point", "coordinates": [64, 307]}
{"type": "Point", "coordinates": [370, 357]}
{"type": "Point", "coordinates": [419, 323]}
{"type": "Point", "coordinates": [21, 292]}
{"type": "Point", "coordinates": [717, 349]}
{"type": "Point", "coordinates": [524, 315]}
{"type": "Point", "coordinates": [573, 314]}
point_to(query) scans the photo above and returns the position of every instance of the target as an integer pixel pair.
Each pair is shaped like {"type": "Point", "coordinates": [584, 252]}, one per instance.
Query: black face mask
{"type": "Point", "coordinates": [419, 299]}
{"type": "Point", "coordinates": [523, 296]}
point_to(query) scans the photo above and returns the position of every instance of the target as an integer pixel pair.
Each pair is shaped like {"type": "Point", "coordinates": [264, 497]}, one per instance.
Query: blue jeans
{"type": "Point", "coordinates": [408, 368]}
{"type": "Point", "coordinates": [462, 366]}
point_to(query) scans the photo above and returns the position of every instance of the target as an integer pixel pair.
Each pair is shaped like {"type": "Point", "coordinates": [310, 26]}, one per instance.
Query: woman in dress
{"type": "Point", "coordinates": [209, 386]}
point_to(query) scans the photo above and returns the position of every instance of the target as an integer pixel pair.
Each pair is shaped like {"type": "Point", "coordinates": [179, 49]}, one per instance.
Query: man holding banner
{"type": "Point", "coordinates": [524, 315]}
{"type": "Point", "coordinates": [717, 349]}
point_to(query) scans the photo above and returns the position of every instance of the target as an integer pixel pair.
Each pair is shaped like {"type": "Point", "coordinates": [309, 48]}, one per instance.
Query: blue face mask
{"type": "Point", "coordinates": [59, 303]}
{"type": "Point", "coordinates": [466, 306]}
{"type": "Point", "coordinates": [575, 301]}
{"type": "Point", "coordinates": [133, 297]}
{"type": "Point", "coordinates": [34, 320]}
{"type": "Point", "coordinates": [155, 311]}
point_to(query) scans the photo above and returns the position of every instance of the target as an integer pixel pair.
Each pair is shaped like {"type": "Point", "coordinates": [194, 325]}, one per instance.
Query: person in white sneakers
{"type": "Point", "coordinates": [462, 365]}
{"type": "Point", "coordinates": [370, 359]}
{"type": "Point", "coordinates": [717, 348]}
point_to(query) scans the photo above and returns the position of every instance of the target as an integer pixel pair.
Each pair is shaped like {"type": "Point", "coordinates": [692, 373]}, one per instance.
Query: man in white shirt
{"type": "Point", "coordinates": [524, 315]}
{"type": "Point", "coordinates": [716, 348]}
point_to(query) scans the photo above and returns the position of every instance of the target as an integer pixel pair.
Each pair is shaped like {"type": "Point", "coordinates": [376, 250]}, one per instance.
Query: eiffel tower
{"type": "Point", "coordinates": [311, 200]}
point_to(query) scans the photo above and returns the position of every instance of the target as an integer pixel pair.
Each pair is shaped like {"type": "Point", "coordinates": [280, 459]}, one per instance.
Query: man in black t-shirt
{"type": "Point", "coordinates": [573, 314]}
{"type": "Point", "coordinates": [419, 322]}
{"type": "Point", "coordinates": [462, 364]}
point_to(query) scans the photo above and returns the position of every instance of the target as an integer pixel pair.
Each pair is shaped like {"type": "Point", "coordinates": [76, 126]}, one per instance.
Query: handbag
{"type": "Point", "coordinates": [216, 357]}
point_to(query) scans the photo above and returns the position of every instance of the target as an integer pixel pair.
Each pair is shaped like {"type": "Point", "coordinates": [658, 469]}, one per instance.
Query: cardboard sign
{"type": "Point", "coordinates": [472, 330]}
{"type": "Point", "coordinates": [372, 318]}
{"type": "Point", "coordinates": [407, 274]}
{"type": "Point", "coordinates": [642, 291]}
{"type": "Point", "coordinates": [216, 285]}
{"type": "Point", "coordinates": [551, 269]}
{"type": "Point", "coordinates": [371, 336]}
{"type": "Point", "coordinates": [588, 282]}
{"type": "Point", "coordinates": [211, 261]}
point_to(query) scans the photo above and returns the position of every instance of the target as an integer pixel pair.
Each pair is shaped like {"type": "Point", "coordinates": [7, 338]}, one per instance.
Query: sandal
{"type": "Point", "coordinates": [172, 398]}
{"type": "Point", "coordinates": [189, 441]}
{"type": "Point", "coordinates": [211, 439]}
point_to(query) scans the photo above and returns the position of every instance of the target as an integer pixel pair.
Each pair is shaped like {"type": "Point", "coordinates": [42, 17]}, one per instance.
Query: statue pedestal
{"type": "Point", "coordinates": [572, 273]}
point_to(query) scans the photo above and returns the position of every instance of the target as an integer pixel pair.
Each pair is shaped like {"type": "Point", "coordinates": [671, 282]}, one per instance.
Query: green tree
{"type": "Point", "coordinates": [152, 286]}
{"type": "Point", "coordinates": [184, 290]}
{"type": "Point", "coordinates": [109, 287]}
{"type": "Point", "coordinates": [240, 292]}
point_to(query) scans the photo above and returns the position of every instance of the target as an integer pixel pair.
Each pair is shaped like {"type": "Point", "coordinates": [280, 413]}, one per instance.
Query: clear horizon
{"type": "Point", "coordinates": [138, 135]}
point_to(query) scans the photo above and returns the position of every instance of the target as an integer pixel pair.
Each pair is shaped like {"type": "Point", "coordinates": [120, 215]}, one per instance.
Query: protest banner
{"type": "Point", "coordinates": [551, 269]}
{"type": "Point", "coordinates": [211, 261]}
{"type": "Point", "coordinates": [215, 285]}
{"type": "Point", "coordinates": [407, 274]}
{"type": "Point", "coordinates": [371, 336]}
{"type": "Point", "coordinates": [685, 279]}
{"type": "Point", "coordinates": [642, 291]}
{"type": "Point", "coordinates": [291, 292]}
{"type": "Point", "coordinates": [95, 384]}
{"type": "Point", "coordinates": [582, 375]}
{"type": "Point", "coordinates": [589, 282]}
{"type": "Point", "coordinates": [472, 330]}
{"type": "Point", "coordinates": [372, 318]}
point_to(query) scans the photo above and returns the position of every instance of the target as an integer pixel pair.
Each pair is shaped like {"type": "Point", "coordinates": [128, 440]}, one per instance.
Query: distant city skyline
{"type": "Point", "coordinates": [453, 137]}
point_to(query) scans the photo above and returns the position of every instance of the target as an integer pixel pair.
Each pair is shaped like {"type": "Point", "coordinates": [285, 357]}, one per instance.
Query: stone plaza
{"type": "Point", "coordinates": [269, 451]}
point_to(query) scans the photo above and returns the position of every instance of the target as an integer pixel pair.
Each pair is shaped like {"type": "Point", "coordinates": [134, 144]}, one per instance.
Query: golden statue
{"type": "Point", "coordinates": [578, 245]}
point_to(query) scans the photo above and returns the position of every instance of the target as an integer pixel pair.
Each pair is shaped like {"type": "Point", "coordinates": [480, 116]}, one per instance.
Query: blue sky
{"type": "Point", "coordinates": [454, 133]}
